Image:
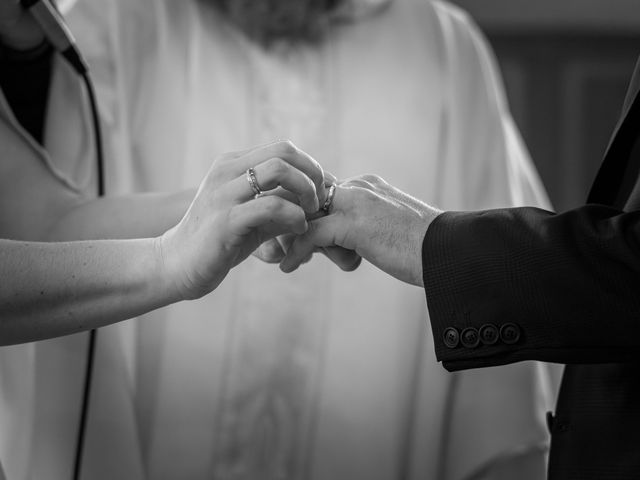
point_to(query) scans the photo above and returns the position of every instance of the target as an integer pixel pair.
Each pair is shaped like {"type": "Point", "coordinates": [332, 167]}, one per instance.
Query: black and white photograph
{"type": "Point", "coordinates": [319, 240]}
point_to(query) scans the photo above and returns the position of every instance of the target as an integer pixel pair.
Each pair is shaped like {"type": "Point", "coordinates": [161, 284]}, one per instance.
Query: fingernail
{"type": "Point", "coordinates": [313, 206]}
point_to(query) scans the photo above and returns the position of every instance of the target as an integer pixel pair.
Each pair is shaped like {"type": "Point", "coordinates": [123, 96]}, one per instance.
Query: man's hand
{"type": "Point", "coordinates": [225, 223]}
{"type": "Point", "coordinates": [376, 220]}
{"type": "Point", "coordinates": [18, 29]}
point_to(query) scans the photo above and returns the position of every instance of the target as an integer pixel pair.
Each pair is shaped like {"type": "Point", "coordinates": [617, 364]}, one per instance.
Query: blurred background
{"type": "Point", "coordinates": [566, 65]}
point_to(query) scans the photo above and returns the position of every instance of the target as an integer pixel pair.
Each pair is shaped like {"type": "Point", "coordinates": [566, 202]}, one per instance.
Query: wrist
{"type": "Point", "coordinates": [167, 272]}
{"type": "Point", "coordinates": [426, 246]}
{"type": "Point", "coordinates": [420, 231]}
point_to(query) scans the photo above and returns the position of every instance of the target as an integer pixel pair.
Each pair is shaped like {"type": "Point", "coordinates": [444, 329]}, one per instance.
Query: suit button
{"type": "Point", "coordinates": [510, 333]}
{"type": "Point", "coordinates": [451, 337]}
{"type": "Point", "coordinates": [470, 338]}
{"type": "Point", "coordinates": [489, 334]}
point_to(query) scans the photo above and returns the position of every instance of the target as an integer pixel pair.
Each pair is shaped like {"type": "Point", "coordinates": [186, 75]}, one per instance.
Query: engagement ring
{"type": "Point", "coordinates": [253, 182]}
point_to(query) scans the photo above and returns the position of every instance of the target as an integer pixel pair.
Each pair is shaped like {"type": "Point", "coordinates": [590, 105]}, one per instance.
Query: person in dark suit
{"type": "Point", "coordinates": [523, 283]}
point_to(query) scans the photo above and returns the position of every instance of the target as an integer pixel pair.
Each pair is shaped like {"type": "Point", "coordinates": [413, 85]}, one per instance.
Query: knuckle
{"type": "Point", "coordinates": [274, 204]}
{"type": "Point", "coordinates": [268, 202]}
{"type": "Point", "coordinates": [278, 166]}
{"type": "Point", "coordinates": [373, 179]}
{"type": "Point", "coordinates": [219, 162]}
{"type": "Point", "coordinates": [356, 182]}
{"type": "Point", "coordinates": [287, 147]}
{"type": "Point", "coordinates": [221, 166]}
{"type": "Point", "coordinates": [233, 214]}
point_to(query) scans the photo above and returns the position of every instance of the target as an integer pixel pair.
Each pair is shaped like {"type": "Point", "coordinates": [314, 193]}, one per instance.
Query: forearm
{"type": "Point", "coordinates": [53, 289]}
{"type": "Point", "coordinates": [133, 216]}
{"type": "Point", "coordinates": [569, 282]}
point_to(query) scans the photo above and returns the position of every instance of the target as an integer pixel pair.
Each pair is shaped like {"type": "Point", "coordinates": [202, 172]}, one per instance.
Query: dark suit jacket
{"type": "Point", "coordinates": [516, 284]}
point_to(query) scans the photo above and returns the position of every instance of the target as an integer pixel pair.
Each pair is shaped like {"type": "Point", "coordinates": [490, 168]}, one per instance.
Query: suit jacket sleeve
{"type": "Point", "coordinates": [516, 284]}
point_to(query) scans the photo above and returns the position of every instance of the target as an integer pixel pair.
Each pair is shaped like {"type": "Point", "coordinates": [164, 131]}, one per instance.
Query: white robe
{"type": "Point", "coordinates": [40, 383]}
{"type": "Point", "coordinates": [318, 374]}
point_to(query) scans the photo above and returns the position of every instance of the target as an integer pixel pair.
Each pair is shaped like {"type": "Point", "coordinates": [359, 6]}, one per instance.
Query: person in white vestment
{"type": "Point", "coordinates": [291, 376]}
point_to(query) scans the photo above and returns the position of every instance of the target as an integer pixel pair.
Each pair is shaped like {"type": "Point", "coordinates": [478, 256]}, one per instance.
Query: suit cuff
{"type": "Point", "coordinates": [465, 276]}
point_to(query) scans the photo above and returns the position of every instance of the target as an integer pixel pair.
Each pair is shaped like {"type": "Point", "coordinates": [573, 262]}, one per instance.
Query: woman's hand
{"type": "Point", "coordinates": [18, 29]}
{"type": "Point", "coordinates": [225, 223]}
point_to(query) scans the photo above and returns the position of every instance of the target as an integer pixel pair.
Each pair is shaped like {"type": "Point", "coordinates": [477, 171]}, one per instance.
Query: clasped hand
{"type": "Point", "coordinates": [227, 221]}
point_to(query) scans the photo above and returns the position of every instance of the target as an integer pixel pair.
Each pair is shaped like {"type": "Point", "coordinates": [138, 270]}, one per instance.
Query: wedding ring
{"type": "Point", "coordinates": [253, 182]}
{"type": "Point", "coordinates": [327, 203]}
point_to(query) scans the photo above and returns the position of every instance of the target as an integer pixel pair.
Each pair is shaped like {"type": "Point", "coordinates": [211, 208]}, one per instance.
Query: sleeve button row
{"type": "Point", "coordinates": [489, 334]}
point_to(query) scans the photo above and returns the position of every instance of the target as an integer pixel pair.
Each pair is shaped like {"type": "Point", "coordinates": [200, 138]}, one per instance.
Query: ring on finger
{"type": "Point", "coordinates": [253, 182]}
{"type": "Point", "coordinates": [326, 208]}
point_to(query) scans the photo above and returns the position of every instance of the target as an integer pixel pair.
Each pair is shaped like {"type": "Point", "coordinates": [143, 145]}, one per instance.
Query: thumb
{"type": "Point", "coordinates": [270, 251]}
{"type": "Point", "coordinates": [347, 260]}
{"type": "Point", "coordinates": [321, 233]}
